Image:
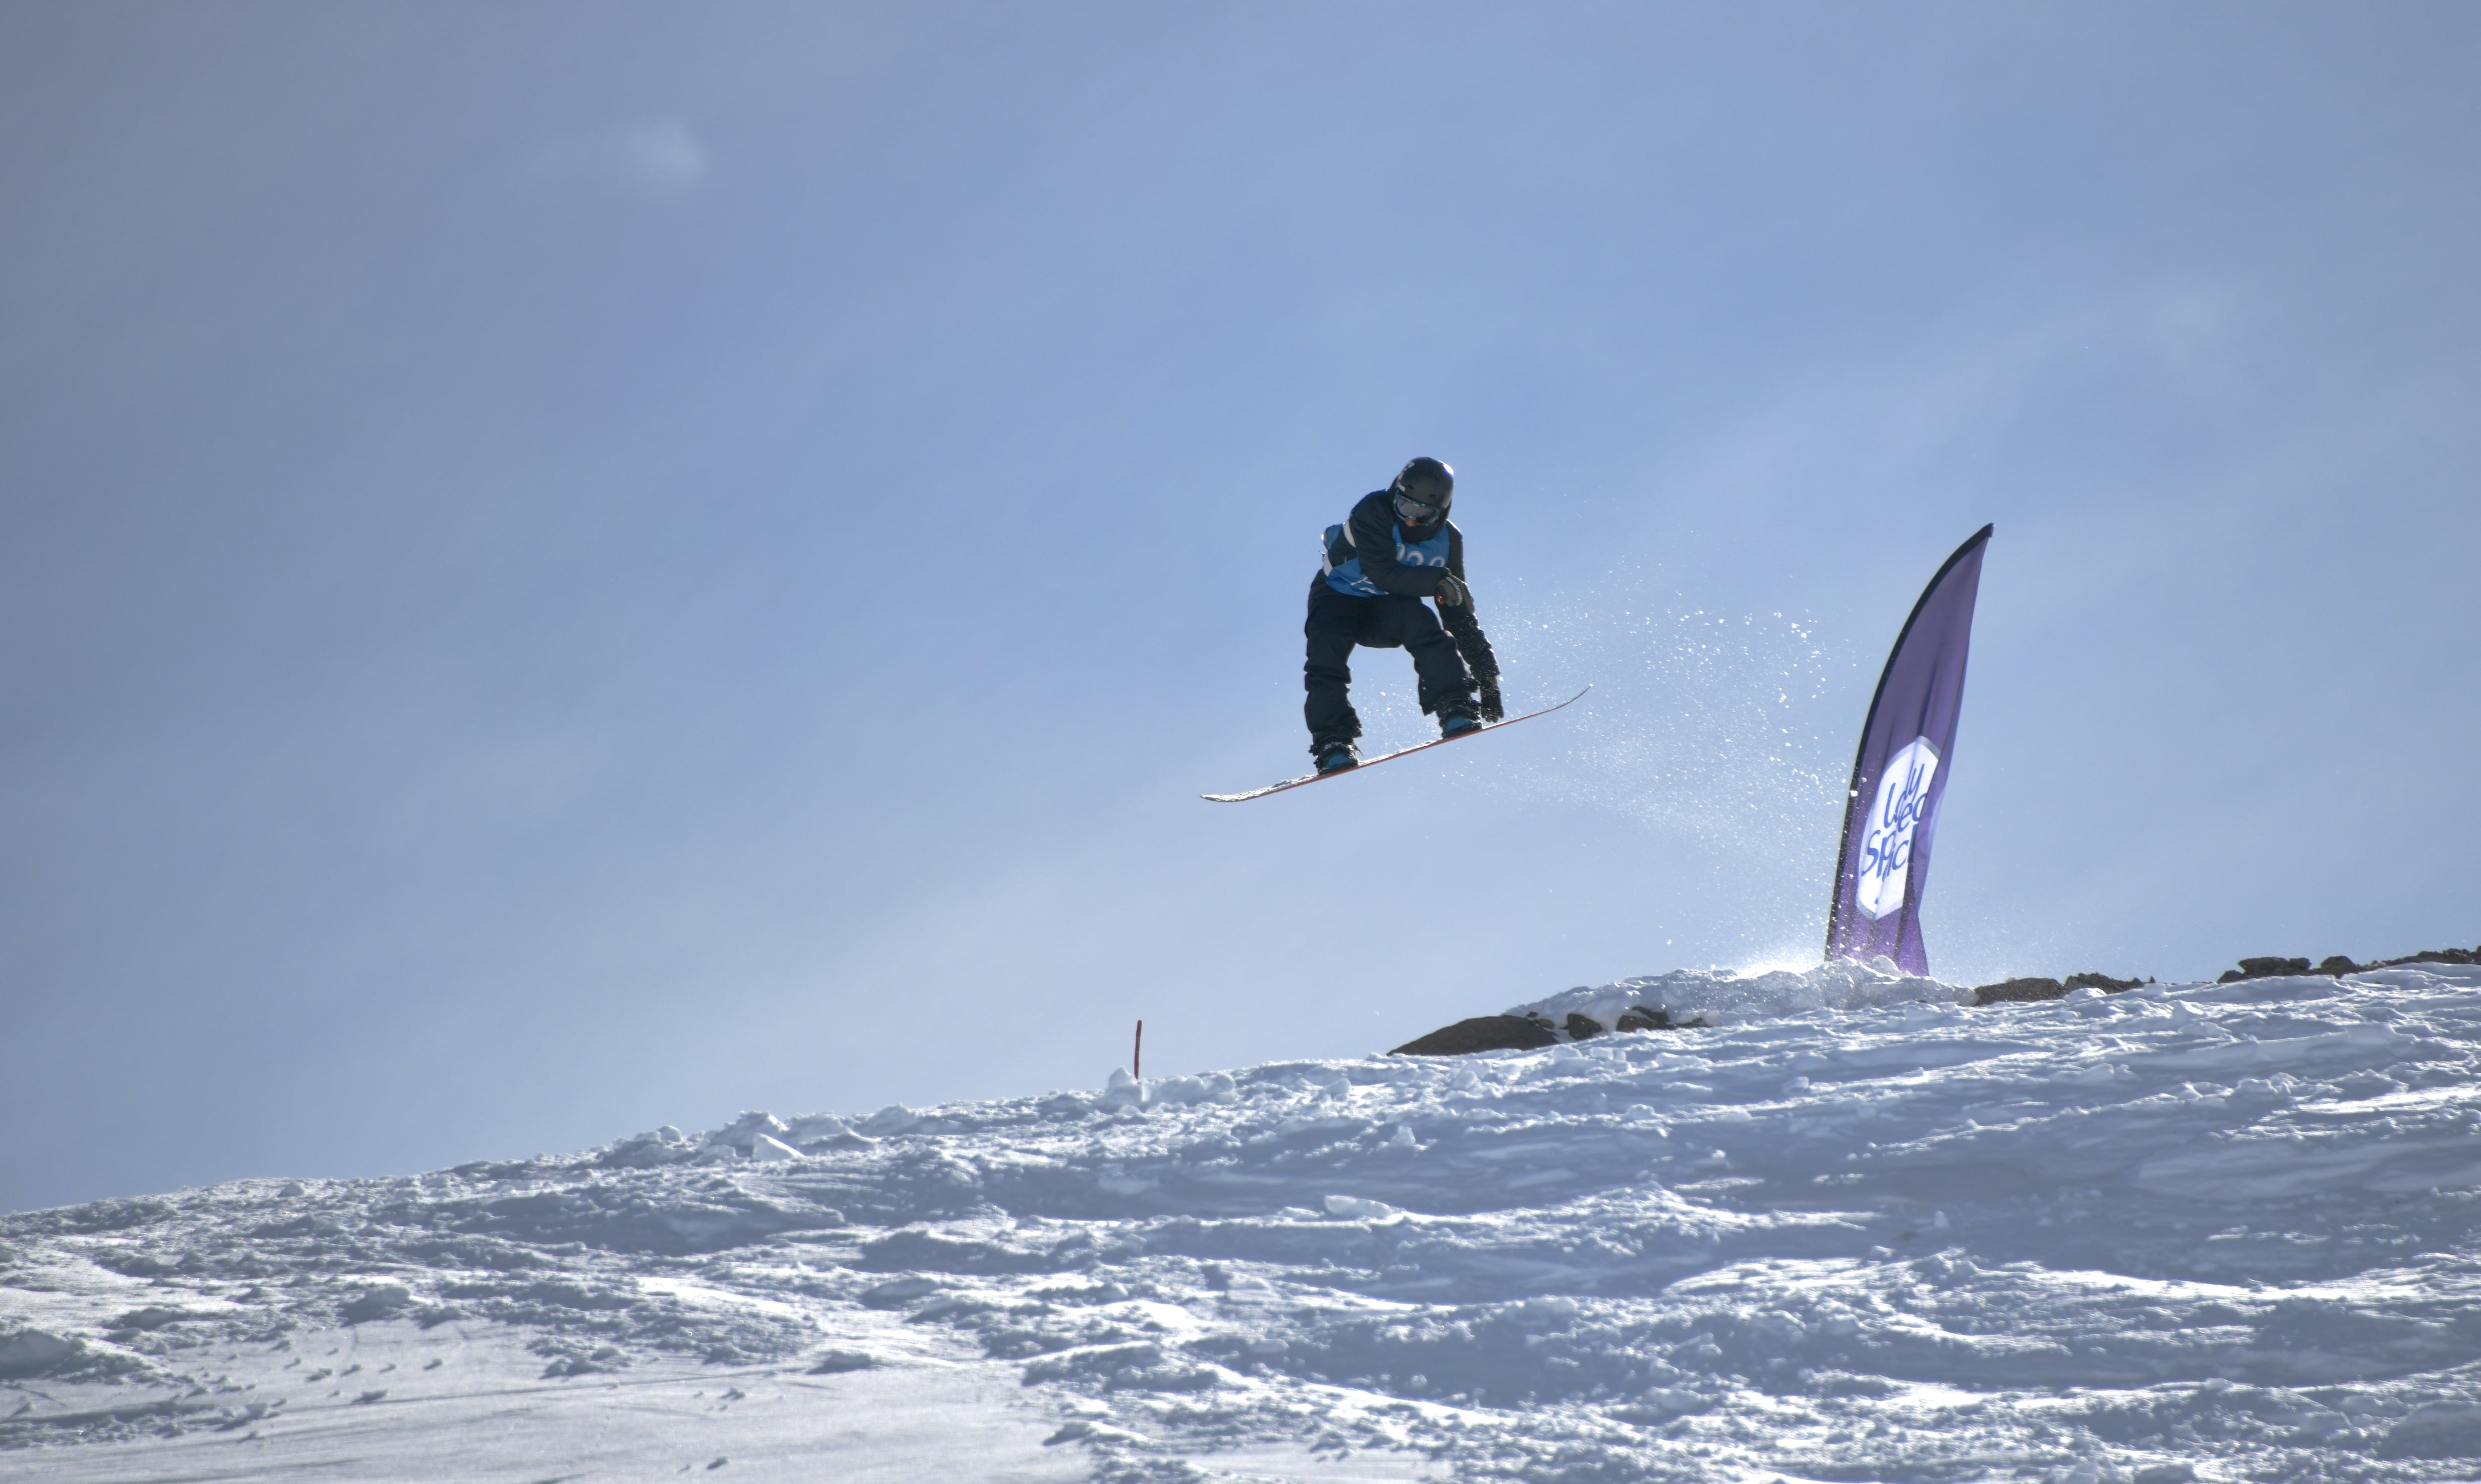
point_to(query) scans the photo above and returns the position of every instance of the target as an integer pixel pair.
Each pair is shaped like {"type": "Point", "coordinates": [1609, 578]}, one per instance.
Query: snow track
{"type": "Point", "coordinates": [1853, 1231]}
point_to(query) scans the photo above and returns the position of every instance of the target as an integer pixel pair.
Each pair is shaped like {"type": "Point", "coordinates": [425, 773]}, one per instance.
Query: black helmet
{"type": "Point", "coordinates": [1429, 487]}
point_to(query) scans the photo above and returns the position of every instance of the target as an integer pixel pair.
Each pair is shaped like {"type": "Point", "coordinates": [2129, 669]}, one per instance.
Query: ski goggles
{"type": "Point", "coordinates": [1413, 512]}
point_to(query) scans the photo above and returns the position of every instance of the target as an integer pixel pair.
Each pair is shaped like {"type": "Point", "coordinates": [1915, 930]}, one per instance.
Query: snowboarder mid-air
{"type": "Point", "coordinates": [1396, 548]}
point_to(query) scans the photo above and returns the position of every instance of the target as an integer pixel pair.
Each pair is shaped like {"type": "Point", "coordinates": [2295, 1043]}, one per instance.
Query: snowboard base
{"type": "Point", "coordinates": [1386, 756]}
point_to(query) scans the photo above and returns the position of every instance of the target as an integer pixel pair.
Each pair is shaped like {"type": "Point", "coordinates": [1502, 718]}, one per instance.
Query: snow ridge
{"type": "Point", "coordinates": [1722, 997]}
{"type": "Point", "coordinates": [1852, 1230]}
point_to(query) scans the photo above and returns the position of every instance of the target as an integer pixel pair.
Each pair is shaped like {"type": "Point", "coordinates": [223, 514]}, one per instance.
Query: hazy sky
{"type": "Point", "coordinates": [575, 567]}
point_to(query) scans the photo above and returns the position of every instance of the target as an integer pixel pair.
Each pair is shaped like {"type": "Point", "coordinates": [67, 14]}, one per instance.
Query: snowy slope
{"type": "Point", "coordinates": [1855, 1231]}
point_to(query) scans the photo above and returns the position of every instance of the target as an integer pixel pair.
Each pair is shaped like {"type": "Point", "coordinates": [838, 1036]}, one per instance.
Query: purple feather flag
{"type": "Point", "coordinates": [1907, 749]}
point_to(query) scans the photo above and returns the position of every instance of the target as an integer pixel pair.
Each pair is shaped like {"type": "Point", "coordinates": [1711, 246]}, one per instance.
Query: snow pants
{"type": "Point", "coordinates": [1338, 622]}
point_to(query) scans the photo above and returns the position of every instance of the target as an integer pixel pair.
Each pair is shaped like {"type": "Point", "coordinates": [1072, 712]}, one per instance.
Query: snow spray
{"type": "Point", "coordinates": [1708, 729]}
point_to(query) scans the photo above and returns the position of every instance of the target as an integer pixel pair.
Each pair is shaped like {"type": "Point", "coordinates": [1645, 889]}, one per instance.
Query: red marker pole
{"type": "Point", "coordinates": [1137, 1055]}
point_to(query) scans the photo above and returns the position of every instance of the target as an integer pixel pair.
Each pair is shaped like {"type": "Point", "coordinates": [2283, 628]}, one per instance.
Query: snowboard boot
{"type": "Point", "coordinates": [1456, 722]}
{"type": "Point", "coordinates": [1336, 757]}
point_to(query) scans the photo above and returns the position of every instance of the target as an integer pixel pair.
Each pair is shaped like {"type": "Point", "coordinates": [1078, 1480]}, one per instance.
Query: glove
{"type": "Point", "coordinates": [1451, 593]}
{"type": "Point", "coordinates": [1492, 708]}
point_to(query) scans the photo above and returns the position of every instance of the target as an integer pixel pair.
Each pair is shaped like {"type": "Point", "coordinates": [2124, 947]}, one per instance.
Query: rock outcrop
{"type": "Point", "coordinates": [1525, 1032]}
{"type": "Point", "coordinates": [1480, 1033]}
{"type": "Point", "coordinates": [1534, 1029]}
{"type": "Point", "coordinates": [2264, 969]}
{"type": "Point", "coordinates": [2338, 965]}
{"type": "Point", "coordinates": [2023, 989]}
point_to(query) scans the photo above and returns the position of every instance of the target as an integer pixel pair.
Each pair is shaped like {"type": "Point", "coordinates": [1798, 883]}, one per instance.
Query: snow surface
{"type": "Point", "coordinates": [1853, 1231]}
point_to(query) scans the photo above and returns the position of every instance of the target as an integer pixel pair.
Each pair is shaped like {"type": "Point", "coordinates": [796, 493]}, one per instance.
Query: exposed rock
{"type": "Point", "coordinates": [2264, 969]}
{"type": "Point", "coordinates": [1482, 1033]}
{"type": "Point", "coordinates": [1534, 1029]}
{"type": "Point", "coordinates": [2470, 956]}
{"type": "Point", "coordinates": [2018, 989]}
{"type": "Point", "coordinates": [2338, 964]}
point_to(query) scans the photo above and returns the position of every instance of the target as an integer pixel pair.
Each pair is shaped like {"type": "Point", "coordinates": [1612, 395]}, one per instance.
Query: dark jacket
{"type": "Point", "coordinates": [1373, 524]}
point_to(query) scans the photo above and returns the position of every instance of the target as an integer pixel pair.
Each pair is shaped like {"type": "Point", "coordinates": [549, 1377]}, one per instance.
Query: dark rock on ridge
{"type": "Point", "coordinates": [2338, 965]}
{"type": "Point", "coordinates": [2264, 969]}
{"type": "Point", "coordinates": [2026, 989]}
{"type": "Point", "coordinates": [2470, 956]}
{"type": "Point", "coordinates": [1534, 1029]}
{"type": "Point", "coordinates": [2018, 989]}
{"type": "Point", "coordinates": [1480, 1033]}
{"type": "Point", "coordinates": [1527, 1032]}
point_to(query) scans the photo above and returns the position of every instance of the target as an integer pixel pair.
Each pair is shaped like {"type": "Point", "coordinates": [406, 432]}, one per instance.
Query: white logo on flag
{"type": "Point", "coordinates": [1887, 839]}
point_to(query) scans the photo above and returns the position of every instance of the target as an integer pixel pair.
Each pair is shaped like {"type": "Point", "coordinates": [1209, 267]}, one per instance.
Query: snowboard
{"type": "Point", "coordinates": [1387, 757]}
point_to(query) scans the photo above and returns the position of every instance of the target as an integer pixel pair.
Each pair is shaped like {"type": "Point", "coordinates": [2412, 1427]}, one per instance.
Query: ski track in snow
{"type": "Point", "coordinates": [1852, 1230]}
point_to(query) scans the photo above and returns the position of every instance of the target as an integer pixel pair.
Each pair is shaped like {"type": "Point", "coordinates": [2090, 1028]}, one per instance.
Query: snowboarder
{"type": "Point", "coordinates": [1396, 548]}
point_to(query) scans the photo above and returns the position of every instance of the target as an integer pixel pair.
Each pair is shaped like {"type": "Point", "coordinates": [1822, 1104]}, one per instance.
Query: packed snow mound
{"type": "Point", "coordinates": [1723, 996]}
{"type": "Point", "coordinates": [1856, 1231]}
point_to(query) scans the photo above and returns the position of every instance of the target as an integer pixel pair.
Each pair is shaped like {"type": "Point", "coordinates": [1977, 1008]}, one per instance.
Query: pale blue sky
{"type": "Point", "coordinates": [571, 567]}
